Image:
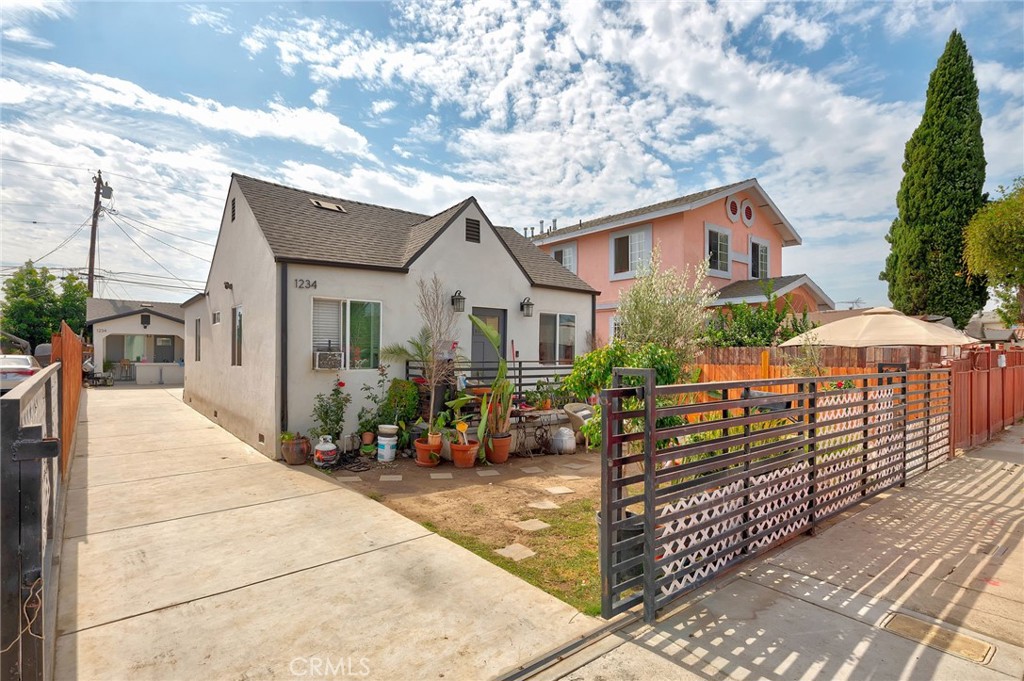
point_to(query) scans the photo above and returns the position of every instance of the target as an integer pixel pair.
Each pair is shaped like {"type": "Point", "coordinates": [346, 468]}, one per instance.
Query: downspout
{"type": "Point", "coordinates": [593, 319]}
{"type": "Point", "coordinates": [284, 347]}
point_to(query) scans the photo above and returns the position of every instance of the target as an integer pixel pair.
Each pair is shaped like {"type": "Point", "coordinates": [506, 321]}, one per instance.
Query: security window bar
{"type": "Point", "coordinates": [473, 230]}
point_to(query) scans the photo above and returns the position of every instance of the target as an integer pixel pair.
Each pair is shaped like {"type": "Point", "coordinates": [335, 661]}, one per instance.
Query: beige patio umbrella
{"type": "Point", "coordinates": [881, 326]}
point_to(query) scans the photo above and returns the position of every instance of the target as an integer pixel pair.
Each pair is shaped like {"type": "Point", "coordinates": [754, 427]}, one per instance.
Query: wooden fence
{"type": "Point", "coordinates": [67, 349]}
{"type": "Point", "coordinates": [988, 394]}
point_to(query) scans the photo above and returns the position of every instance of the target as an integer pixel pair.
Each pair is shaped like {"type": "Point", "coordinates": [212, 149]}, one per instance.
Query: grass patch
{"type": "Point", "coordinates": [566, 562]}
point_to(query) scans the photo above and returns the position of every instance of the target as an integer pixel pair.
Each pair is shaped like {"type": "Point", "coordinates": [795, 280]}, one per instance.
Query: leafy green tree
{"type": "Point", "coordinates": [30, 304]}
{"type": "Point", "coordinates": [995, 249]}
{"type": "Point", "coordinates": [944, 172]}
{"type": "Point", "coordinates": [70, 305]}
{"type": "Point", "coordinates": [746, 325]}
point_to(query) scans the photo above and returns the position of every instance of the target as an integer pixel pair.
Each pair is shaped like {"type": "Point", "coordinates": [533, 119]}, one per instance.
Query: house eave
{"type": "Point", "coordinates": [343, 265]}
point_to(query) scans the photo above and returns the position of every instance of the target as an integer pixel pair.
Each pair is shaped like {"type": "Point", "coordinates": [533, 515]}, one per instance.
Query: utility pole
{"type": "Point", "coordinates": [106, 192]}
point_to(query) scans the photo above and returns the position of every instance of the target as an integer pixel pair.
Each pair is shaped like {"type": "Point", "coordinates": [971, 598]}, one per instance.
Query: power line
{"type": "Point", "coordinates": [137, 245]}
{"type": "Point", "coordinates": [177, 236]}
{"type": "Point", "coordinates": [40, 163]}
{"type": "Point", "coordinates": [66, 241]}
{"type": "Point", "coordinates": [180, 250]}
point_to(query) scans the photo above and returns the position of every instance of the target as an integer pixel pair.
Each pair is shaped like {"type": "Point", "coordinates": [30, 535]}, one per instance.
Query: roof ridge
{"type": "Point", "coordinates": [454, 205]}
{"type": "Point", "coordinates": [325, 196]}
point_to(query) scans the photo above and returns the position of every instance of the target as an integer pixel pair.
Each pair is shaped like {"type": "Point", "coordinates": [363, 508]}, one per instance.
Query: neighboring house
{"type": "Point", "coordinates": [127, 333]}
{"type": "Point", "coordinates": [736, 228]}
{"type": "Point", "coordinates": [988, 327]}
{"type": "Point", "coordinates": [300, 279]}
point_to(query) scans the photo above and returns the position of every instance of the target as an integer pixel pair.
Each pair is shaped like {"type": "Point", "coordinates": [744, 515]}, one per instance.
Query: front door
{"type": "Point", "coordinates": [482, 352]}
{"type": "Point", "coordinates": [163, 349]}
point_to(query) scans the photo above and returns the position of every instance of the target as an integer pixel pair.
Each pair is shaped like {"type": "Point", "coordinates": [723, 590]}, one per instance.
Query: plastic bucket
{"type": "Point", "coordinates": [386, 447]}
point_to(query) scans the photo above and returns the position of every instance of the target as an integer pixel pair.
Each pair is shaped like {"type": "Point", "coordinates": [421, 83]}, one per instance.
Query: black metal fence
{"type": "Point", "coordinates": [526, 376]}
{"type": "Point", "coordinates": [698, 478]}
{"type": "Point", "coordinates": [31, 501]}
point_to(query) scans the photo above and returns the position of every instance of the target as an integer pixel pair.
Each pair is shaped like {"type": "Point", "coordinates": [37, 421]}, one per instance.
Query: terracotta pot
{"type": "Point", "coordinates": [497, 448]}
{"type": "Point", "coordinates": [368, 437]}
{"type": "Point", "coordinates": [295, 452]}
{"type": "Point", "coordinates": [464, 456]}
{"type": "Point", "coordinates": [427, 454]}
{"type": "Point", "coordinates": [546, 404]}
{"type": "Point", "coordinates": [434, 439]}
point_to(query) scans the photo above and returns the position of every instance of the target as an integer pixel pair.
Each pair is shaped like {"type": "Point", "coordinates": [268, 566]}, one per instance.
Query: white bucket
{"type": "Point", "coordinates": [386, 447]}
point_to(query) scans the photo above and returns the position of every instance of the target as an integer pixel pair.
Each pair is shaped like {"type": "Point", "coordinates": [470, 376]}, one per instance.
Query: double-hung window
{"type": "Point", "coordinates": [629, 250]}
{"type": "Point", "coordinates": [758, 260]}
{"type": "Point", "coordinates": [718, 251]}
{"type": "Point", "coordinates": [557, 338]}
{"type": "Point", "coordinates": [566, 255]}
{"type": "Point", "coordinates": [348, 326]}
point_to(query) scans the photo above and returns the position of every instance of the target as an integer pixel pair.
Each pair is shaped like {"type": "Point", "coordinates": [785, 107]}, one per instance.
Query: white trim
{"type": "Point", "coordinates": [608, 306]}
{"type": "Point", "coordinates": [558, 329]}
{"type": "Point", "coordinates": [789, 235]}
{"type": "Point", "coordinates": [732, 198]}
{"type": "Point", "coordinates": [727, 272]}
{"type": "Point", "coordinates": [612, 321]}
{"type": "Point", "coordinates": [645, 253]}
{"type": "Point", "coordinates": [571, 247]}
{"type": "Point", "coordinates": [743, 213]}
{"type": "Point", "coordinates": [346, 330]}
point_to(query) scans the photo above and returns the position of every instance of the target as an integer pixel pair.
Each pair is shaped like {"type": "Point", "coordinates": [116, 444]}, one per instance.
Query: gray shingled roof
{"type": "Point", "coordinates": [755, 287]}
{"type": "Point", "coordinates": [635, 212]}
{"type": "Point", "coordinates": [540, 268]}
{"type": "Point", "coordinates": [97, 309]}
{"type": "Point", "coordinates": [373, 236]}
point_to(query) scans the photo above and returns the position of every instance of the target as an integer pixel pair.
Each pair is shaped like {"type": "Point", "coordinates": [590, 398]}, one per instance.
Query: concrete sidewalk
{"type": "Point", "coordinates": [189, 555]}
{"type": "Point", "coordinates": [942, 560]}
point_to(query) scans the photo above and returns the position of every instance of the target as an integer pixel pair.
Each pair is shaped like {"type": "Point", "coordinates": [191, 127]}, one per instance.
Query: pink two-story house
{"type": "Point", "coordinates": [737, 228]}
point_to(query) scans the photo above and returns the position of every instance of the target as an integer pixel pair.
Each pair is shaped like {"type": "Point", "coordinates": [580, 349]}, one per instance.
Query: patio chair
{"type": "Point", "coordinates": [579, 414]}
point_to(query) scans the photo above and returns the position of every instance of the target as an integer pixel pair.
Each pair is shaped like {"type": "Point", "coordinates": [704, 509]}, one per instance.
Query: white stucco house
{"type": "Point", "coordinates": [129, 334]}
{"type": "Point", "coordinates": [300, 279]}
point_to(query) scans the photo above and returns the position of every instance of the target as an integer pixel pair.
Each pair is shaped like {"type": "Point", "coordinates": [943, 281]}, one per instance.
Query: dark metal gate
{"type": "Point", "coordinates": [30, 492]}
{"type": "Point", "coordinates": [698, 478]}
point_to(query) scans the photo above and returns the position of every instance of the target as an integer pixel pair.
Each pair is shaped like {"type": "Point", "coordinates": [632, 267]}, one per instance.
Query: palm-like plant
{"type": "Point", "coordinates": [498, 409]}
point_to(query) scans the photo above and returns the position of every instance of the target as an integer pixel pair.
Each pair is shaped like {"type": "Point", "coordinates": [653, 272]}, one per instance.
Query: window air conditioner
{"type": "Point", "coordinates": [328, 360]}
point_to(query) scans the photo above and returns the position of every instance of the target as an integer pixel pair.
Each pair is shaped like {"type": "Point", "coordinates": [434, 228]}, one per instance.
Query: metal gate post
{"type": "Point", "coordinates": [650, 518]}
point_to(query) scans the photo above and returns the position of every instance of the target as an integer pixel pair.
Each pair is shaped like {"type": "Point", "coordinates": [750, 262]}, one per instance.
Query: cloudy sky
{"type": "Point", "coordinates": [539, 110]}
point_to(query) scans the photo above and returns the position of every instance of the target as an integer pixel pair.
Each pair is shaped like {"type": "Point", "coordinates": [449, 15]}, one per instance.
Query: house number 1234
{"type": "Point", "coordinates": [305, 283]}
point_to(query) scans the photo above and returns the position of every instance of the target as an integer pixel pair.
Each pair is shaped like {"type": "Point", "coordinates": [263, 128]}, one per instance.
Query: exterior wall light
{"type": "Point", "coordinates": [459, 301]}
{"type": "Point", "coordinates": [526, 307]}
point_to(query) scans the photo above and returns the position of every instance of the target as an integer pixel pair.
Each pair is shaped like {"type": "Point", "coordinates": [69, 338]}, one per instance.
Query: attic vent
{"type": "Point", "coordinates": [328, 206]}
{"type": "Point", "coordinates": [232, 210]}
{"type": "Point", "coordinates": [473, 230]}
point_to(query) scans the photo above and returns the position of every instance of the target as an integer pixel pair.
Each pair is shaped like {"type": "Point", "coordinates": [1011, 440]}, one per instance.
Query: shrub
{"type": "Point", "coordinates": [402, 403]}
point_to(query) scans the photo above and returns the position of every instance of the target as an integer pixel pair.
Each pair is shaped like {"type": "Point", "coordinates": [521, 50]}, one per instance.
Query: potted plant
{"type": "Point", "coordinates": [434, 349]}
{"type": "Point", "coordinates": [543, 392]}
{"type": "Point", "coordinates": [464, 450]}
{"type": "Point", "coordinates": [496, 407]}
{"type": "Point", "coordinates": [329, 412]}
{"type": "Point", "coordinates": [376, 396]}
{"type": "Point", "coordinates": [295, 448]}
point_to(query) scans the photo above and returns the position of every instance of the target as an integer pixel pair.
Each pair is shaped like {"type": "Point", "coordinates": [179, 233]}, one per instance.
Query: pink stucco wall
{"type": "Point", "coordinates": [681, 239]}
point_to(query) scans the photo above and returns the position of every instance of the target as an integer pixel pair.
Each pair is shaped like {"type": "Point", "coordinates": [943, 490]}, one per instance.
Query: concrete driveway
{"type": "Point", "coordinates": [189, 555]}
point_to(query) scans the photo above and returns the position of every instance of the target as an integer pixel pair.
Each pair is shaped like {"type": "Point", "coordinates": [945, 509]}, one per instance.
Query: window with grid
{"type": "Point", "coordinates": [629, 251]}
{"type": "Point", "coordinates": [566, 255]}
{"type": "Point", "coordinates": [718, 251]}
{"type": "Point", "coordinates": [758, 260]}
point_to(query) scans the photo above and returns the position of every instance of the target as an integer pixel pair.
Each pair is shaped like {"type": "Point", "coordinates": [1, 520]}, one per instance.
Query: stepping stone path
{"type": "Point", "coordinates": [532, 525]}
{"type": "Point", "coordinates": [487, 473]}
{"type": "Point", "coordinates": [570, 477]}
{"type": "Point", "coordinates": [558, 490]}
{"type": "Point", "coordinates": [531, 469]}
{"type": "Point", "coordinates": [391, 478]}
{"type": "Point", "coordinates": [516, 552]}
{"type": "Point", "coordinates": [350, 478]}
{"type": "Point", "coordinates": [545, 505]}
{"type": "Point", "coordinates": [574, 466]}
{"type": "Point", "coordinates": [440, 476]}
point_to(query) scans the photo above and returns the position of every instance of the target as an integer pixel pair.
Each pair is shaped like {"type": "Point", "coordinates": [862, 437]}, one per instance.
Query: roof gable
{"type": "Point", "coordinates": [674, 206]}
{"type": "Point", "coordinates": [753, 290]}
{"type": "Point", "coordinates": [103, 309]}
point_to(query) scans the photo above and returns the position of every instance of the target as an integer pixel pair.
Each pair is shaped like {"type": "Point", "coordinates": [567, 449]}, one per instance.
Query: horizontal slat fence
{"type": "Point", "coordinates": [988, 393]}
{"type": "Point", "coordinates": [697, 478]}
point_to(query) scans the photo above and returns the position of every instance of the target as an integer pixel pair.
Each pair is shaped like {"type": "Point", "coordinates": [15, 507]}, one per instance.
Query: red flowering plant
{"type": "Point", "coordinates": [329, 411]}
{"type": "Point", "coordinates": [846, 384]}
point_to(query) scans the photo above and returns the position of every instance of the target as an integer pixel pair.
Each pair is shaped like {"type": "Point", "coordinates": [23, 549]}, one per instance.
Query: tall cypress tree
{"type": "Point", "coordinates": [943, 177]}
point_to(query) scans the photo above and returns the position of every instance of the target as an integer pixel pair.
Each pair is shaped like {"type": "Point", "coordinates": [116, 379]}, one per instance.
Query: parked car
{"type": "Point", "coordinates": [16, 368]}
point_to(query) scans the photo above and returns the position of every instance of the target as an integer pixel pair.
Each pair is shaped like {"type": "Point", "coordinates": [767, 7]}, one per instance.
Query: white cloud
{"type": "Point", "coordinates": [321, 97]}
{"type": "Point", "coordinates": [20, 34]}
{"type": "Point", "coordinates": [994, 77]}
{"type": "Point", "coordinates": [784, 20]}
{"type": "Point", "coordinates": [401, 152]}
{"type": "Point", "coordinates": [382, 106]}
{"type": "Point", "coordinates": [218, 20]}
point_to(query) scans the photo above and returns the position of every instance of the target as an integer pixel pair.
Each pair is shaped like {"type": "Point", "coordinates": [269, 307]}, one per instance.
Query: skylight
{"type": "Point", "coordinates": [327, 205]}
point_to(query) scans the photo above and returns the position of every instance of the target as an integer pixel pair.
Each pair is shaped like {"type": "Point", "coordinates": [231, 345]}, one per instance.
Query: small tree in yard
{"type": "Point", "coordinates": [667, 308]}
{"type": "Point", "coordinates": [433, 346]}
{"type": "Point", "coordinates": [33, 309]}
{"type": "Point", "coordinates": [995, 249]}
{"type": "Point", "coordinates": [747, 325]}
